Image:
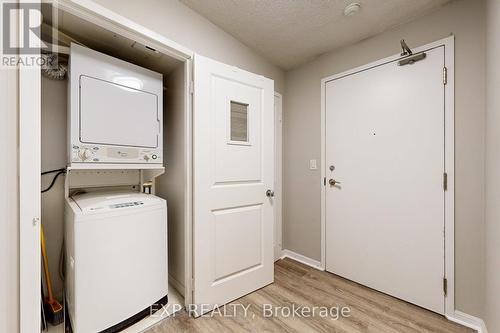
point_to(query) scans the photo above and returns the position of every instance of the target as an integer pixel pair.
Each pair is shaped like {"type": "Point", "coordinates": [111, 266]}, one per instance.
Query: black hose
{"type": "Point", "coordinates": [59, 172]}
{"type": "Point", "coordinates": [52, 171]}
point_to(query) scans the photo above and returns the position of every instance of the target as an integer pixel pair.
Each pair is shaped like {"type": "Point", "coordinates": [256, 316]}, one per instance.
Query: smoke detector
{"type": "Point", "coordinates": [352, 9]}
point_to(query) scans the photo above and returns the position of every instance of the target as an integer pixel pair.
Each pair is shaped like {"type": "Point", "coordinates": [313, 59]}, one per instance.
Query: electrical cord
{"type": "Point", "coordinates": [59, 172]}
{"type": "Point", "coordinates": [52, 171]}
{"type": "Point", "coordinates": [62, 271]}
{"type": "Point", "coordinates": [61, 255]}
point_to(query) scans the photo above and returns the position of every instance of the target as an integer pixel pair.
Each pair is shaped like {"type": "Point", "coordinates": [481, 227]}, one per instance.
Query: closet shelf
{"type": "Point", "coordinates": [93, 166]}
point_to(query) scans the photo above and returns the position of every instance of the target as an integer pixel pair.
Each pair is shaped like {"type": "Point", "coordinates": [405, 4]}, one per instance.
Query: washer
{"type": "Point", "coordinates": [116, 266]}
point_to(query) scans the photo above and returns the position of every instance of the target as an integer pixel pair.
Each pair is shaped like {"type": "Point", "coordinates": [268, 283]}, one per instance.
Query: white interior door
{"type": "Point", "coordinates": [385, 149]}
{"type": "Point", "coordinates": [233, 169]}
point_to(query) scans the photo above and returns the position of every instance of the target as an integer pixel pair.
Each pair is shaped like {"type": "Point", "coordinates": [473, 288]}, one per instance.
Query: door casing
{"type": "Point", "coordinates": [29, 163]}
{"type": "Point", "coordinates": [278, 178]}
{"type": "Point", "coordinates": [449, 261]}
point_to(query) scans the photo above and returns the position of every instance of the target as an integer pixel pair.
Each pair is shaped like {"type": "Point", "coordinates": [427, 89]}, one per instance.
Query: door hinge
{"type": "Point", "coordinates": [445, 181]}
{"type": "Point", "coordinates": [324, 181]}
{"type": "Point", "coordinates": [445, 286]}
{"type": "Point", "coordinates": [445, 75]}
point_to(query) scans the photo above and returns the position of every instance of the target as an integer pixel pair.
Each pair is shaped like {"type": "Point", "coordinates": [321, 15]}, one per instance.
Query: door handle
{"type": "Point", "coordinates": [333, 182]}
{"type": "Point", "coordinates": [270, 193]}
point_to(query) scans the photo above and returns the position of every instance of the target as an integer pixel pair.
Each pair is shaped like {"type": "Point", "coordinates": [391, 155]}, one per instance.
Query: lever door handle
{"type": "Point", "coordinates": [333, 182]}
{"type": "Point", "coordinates": [270, 193]}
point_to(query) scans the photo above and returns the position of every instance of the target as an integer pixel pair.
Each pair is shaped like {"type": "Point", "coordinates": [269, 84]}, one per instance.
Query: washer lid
{"type": "Point", "coordinates": [101, 201]}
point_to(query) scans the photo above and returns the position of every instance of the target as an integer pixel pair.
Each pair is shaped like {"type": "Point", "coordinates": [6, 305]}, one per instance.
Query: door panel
{"type": "Point", "coordinates": [385, 140]}
{"type": "Point", "coordinates": [239, 229]}
{"type": "Point", "coordinates": [233, 168]}
{"type": "Point", "coordinates": [237, 160]}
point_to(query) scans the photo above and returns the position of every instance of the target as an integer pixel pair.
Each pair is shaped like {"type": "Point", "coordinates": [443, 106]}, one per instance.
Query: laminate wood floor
{"type": "Point", "coordinates": [295, 283]}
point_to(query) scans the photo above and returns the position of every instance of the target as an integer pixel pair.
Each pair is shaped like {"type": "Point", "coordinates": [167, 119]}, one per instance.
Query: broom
{"type": "Point", "coordinates": [53, 310]}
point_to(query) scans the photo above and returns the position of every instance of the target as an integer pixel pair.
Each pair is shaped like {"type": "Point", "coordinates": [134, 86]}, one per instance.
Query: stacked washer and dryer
{"type": "Point", "coordinates": [116, 241]}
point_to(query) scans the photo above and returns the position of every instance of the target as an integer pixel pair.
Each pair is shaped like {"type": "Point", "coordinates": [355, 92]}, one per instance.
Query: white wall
{"type": "Point", "coordinates": [493, 168]}
{"type": "Point", "coordinates": [9, 205]}
{"type": "Point", "coordinates": [171, 185]}
{"type": "Point", "coordinates": [464, 18]}
{"type": "Point", "coordinates": [53, 157]}
{"type": "Point", "coordinates": [181, 24]}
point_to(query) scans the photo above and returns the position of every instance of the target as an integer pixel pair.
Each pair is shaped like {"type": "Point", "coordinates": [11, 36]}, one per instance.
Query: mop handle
{"type": "Point", "coordinates": [46, 266]}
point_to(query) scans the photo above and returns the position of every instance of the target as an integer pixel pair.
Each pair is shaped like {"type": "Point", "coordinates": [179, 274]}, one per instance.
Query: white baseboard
{"type": "Point", "coordinates": [469, 321]}
{"type": "Point", "coordinates": [176, 284]}
{"type": "Point", "coordinates": [302, 259]}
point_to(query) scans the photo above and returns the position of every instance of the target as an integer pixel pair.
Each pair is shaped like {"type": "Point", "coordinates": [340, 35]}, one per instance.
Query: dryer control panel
{"type": "Point", "coordinates": [104, 154]}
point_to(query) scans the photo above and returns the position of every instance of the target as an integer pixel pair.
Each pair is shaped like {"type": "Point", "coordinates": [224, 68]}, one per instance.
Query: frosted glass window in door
{"type": "Point", "coordinates": [239, 122]}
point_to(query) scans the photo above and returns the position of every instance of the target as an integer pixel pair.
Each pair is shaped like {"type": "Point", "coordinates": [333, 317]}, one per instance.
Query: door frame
{"type": "Point", "coordinates": [278, 177]}
{"type": "Point", "coordinates": [30, 149]}
{"type": "Point", "coordinates": [449, 224]}
{"type": "Point", "coordinates": [29, 182]}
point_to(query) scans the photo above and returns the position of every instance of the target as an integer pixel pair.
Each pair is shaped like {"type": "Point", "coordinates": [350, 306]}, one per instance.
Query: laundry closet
{"type": "Point", "coordinates": [132, 131]}
{"type": "Point", "coordinates": [113, 122]}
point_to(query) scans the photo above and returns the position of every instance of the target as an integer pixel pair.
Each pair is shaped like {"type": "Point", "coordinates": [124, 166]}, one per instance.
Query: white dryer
{"type": "Point", "coordinates": [115, 112]}
{"type": "Point", "coordinates": [116, 258]}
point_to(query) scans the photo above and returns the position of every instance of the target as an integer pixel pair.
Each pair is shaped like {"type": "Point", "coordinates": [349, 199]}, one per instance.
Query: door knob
{"type": "Point", "coordinates": [270, 193]}
{"type": "Point", "coordinates": [333, 182]}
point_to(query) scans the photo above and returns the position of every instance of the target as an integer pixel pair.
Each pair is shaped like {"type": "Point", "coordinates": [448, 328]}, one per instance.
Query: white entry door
{"type": "Point", "coordinates": [233, 183]}
{"type": "Point", "coordinates": [384, 179]}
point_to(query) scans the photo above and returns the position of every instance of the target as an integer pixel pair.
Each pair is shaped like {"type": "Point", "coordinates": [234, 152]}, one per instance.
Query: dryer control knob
{"type": "Point", "coordinates": [84, 154]}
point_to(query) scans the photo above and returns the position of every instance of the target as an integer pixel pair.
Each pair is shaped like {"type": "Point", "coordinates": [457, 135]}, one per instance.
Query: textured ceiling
{"type": "Point", "coordinates": [292, 32]}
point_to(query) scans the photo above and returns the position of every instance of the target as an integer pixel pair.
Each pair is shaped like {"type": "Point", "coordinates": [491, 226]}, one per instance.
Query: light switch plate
{"type": "Point", "coordinates": [313, 165]}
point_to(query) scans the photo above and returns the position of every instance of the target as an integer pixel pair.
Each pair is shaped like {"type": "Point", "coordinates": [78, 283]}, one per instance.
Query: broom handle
{"type": "Point", "coordinates": [46, 266]}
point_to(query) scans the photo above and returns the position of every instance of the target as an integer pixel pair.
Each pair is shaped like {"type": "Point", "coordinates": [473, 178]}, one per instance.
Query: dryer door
{"type": "Point", "coordinates": [113, 114]}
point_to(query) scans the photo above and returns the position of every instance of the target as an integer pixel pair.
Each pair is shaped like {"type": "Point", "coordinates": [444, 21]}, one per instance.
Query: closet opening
{"type": "Point", "coordinates": [62, 180]}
